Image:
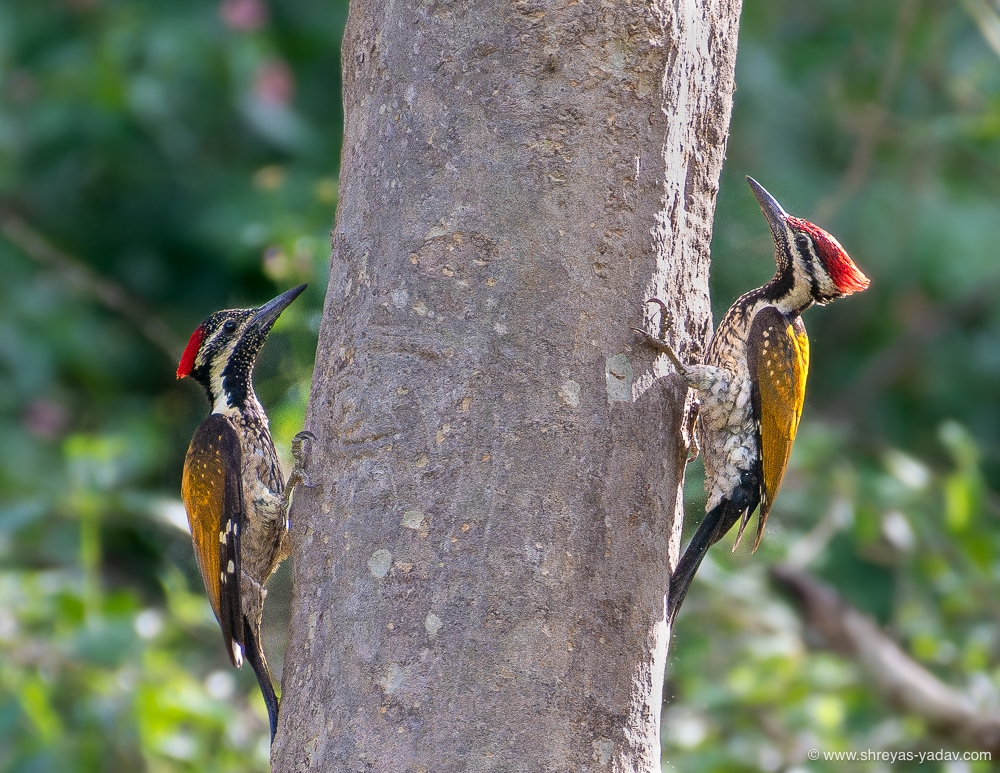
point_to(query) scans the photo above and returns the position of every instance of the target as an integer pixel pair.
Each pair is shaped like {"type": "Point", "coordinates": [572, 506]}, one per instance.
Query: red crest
{"type": "Point", "coordinates": [190, 353]}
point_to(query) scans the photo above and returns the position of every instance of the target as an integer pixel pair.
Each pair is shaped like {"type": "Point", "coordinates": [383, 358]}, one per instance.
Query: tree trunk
{"type": "Point", "coordinates": [480, 573]}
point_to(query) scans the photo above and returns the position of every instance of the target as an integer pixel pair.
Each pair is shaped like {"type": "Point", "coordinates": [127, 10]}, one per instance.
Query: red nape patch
{"type": "Point", "coordinates": [838, 264]}
{"type": "Point", "coordinates": [190, 352]}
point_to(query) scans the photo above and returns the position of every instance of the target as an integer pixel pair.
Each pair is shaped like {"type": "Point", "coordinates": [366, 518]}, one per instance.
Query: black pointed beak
{"type": "Point", "coordinates": [266, 315]}
{"type": "Point", "coordinates": [773, 211]}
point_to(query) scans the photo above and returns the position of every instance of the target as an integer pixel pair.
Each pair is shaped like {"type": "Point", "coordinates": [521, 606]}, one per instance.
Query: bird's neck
{"type": "Point", "coordinates": [250, 411]}
{"type": "Point", "coordinates": [788, 293]}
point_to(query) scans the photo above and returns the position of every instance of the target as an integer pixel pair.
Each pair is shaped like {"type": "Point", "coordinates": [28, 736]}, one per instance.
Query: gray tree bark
{"type": "Point", "coordinates": [480, 574]}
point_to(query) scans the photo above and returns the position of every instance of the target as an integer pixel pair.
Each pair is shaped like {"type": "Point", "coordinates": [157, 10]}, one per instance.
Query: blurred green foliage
{"type": "Point", "coordinates": [159, 161]}
{"type": "Point", "coordinates": [880, 122]}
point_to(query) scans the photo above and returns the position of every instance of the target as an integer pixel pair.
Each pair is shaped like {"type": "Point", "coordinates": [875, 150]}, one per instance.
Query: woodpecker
{"type": "Point", "coordinates": [236, 498]}
{"type": "Point", "coordinates": [751, 382]}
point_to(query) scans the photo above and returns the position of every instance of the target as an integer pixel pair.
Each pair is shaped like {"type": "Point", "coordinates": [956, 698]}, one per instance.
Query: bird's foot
{"type": "Point", "coordinates": [666, 321]}
{"type": "Point", "coordinates": [301, 453]}
{"type": "Point", "coordinates": [659, 341]}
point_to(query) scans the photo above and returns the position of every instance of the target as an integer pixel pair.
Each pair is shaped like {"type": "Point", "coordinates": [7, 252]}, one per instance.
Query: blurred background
{"type": "Point", "coordinates": [159, 161]}
{"type": "Point", "coordinates": [879, 121]}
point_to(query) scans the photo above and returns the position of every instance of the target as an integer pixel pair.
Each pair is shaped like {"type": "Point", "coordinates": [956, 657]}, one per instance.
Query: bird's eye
{"type": "Point", "coordinates": [229, 325]}
{"type": "Point", "coordinates": [801, 241]}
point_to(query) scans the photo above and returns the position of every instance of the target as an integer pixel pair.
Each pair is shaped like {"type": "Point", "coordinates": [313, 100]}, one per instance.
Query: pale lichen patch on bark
{"type": "Point", "coordinates": [569, 393]}
{"type": "Point", "coordinates": [380, 562]}
{"type": "Point", "coordinates": [412, 519]}
{"type": "Point", "coordinates": [392, 680]}
{"type": "Point", "coordinates": [433, 624]}
{"type": "Point", "coordinates": [618, 379]}
{"type": "Point", "coordinates": [603, 749]}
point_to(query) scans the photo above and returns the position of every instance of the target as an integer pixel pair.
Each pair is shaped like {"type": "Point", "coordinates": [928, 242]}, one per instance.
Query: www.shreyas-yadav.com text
{"type": "Point", "coordinates": [870, 755]}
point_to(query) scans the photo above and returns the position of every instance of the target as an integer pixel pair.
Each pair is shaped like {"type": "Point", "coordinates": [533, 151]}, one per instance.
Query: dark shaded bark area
{"type": "Point", "coordinates": [480, 575]}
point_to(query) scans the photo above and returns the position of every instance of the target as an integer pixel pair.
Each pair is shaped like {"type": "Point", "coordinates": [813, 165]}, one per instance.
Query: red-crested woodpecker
{"type": "Point", "coordinates": [233, 489]}
{"type": "Point", "coordinates": [751, 382]}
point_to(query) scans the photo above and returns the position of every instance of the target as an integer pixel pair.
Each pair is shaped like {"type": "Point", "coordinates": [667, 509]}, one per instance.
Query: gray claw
{"type": "Point", "coordinates": [666, 321]}
{"type": "Point", "coordinates": [302, 445]}
{"type": "Point", "coordinates": [660, 342]}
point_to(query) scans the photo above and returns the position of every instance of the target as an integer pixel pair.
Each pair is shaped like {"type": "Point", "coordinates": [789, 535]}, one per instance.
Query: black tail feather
{"type": "Point", "coordinates": [717, 522]}
{"type": "Point", "coordinates": [709, 532]}
{"type": "Point", "coordinates": [255, 656]}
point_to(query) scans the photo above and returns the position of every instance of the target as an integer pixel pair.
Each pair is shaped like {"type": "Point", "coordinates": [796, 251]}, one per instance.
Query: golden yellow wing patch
{"type": "Point", "coordinates": [778, 357]}
{"type": "Point", "coordinates": [213, 497]}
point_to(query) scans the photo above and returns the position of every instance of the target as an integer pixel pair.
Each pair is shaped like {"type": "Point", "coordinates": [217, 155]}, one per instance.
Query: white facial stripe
{"type": "Point", "coordinates": [222, 350]}
{"type": "Point", "coordinates": [825, 286]}
{"type": "Point", "coordinates": [809, 268]}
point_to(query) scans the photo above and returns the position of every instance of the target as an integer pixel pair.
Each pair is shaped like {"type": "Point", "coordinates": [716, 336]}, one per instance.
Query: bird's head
{"type": "Point", "coordinates": [222, 350]}
{"type": "Point", "coordinates": [811, 264]}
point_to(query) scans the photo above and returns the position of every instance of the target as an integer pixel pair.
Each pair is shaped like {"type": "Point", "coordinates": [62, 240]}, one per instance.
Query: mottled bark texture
{"type": "Point", "coordinates": [480, 573]}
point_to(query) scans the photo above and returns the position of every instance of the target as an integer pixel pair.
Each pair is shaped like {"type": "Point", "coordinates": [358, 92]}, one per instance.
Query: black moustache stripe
{"type": "Point", "coordinates": [809, 260]}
